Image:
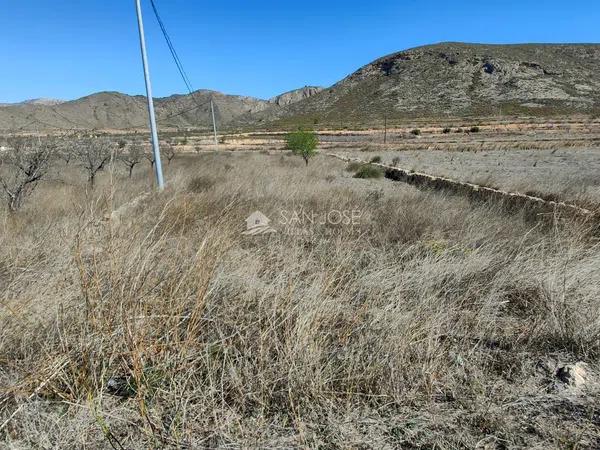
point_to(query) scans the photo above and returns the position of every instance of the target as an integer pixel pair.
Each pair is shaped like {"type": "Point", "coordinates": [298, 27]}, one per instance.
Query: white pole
{"type": "Point", "coordinates": [155, 145]}
{"type": "Point", "coordinates": [212, 110]}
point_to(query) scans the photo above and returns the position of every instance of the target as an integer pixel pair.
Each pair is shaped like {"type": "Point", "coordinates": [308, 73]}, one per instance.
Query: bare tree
{"type": "Point", "coordinates": [94, 153]}
{"type": "Point", "coordinates": [23, 164]}
{"type": "Point", "coordinates": [64, 152]}
{"type": "Point", "coordinates": [132, 156]}
{"type": "Point", "coordinates": [169, 152]}
{"type": "Point", "coordinates": [149, 155]}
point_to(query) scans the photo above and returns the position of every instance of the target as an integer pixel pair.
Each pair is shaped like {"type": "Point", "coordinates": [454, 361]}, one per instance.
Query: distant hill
{"type": "Point", "coordinates": [441, 80]}
{"type": "Point", "coordinates": [113, 110]}
{"type": "Point", "coordinates": [36, 101]}
{"type": "Point", "coordinates": [460, 79]}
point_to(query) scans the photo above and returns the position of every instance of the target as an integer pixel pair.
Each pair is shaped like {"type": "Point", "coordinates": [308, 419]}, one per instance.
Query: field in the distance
{"type": "Point", "coordinates": [427, 321]}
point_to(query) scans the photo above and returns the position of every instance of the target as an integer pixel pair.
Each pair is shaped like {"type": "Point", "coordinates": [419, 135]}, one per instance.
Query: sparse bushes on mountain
{"type": "Point", "coordinates": [302, 143]}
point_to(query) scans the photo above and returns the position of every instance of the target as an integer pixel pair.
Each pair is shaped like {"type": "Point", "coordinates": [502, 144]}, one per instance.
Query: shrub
{"type": "Point", "coordinates": [368, 148]}
{"type": "Point", "coordinates": [302, 143]}
{"type": "Point", "coordinates": [200, 184]}
{"type": "Point", "coordinates": [416, 132]}
{"type": "Point", "coordinates": [368, 171]}
{"type": "Point", "coordinates": [353, 166]}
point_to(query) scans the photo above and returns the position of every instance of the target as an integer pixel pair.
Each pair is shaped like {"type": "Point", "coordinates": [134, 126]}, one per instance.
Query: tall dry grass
{"type": "Point", "coordinates": [433, 323]}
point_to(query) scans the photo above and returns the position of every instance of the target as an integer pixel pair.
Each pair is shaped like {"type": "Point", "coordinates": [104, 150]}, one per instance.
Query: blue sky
{"type": "Point", "coordinates": [70, 48]}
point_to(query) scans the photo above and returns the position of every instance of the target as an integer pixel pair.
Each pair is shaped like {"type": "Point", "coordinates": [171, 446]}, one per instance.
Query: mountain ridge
{"type": "Point", "coordinates": [461, 79]}
{"type": "Point", "coordinates": [115, 110]}
{"type": "Point", "coordinates": [436, 80]}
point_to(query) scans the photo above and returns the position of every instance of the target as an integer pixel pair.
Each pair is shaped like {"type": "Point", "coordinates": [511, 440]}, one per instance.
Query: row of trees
{"type": "Point", "coordinates": [25, 161]}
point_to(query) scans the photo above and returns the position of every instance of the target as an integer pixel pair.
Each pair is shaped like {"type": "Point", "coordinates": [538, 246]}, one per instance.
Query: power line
{"type": "Point", "coordinates": [198, 106]}
{"type": "Point", "coordinates": [179, 64]}
{"type": "Point", "coordinates": [179, 113]}
{"type": "Point", "coordinates": [174, 54]}
{"type": "Point", "coordinates": [181, 70]}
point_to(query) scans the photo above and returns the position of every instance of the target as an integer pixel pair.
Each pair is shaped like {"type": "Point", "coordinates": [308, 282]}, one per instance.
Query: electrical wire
{"type": "Point", "coordinates": [180, 69]}
{"type": "Point", "coordinates": [173, 52]}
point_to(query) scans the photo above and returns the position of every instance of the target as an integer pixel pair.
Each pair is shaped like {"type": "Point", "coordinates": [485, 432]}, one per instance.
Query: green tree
{"type": "Point", "coordinates": [302, 143]}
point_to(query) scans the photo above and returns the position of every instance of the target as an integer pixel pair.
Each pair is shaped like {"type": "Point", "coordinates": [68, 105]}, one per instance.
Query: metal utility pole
{"type": "Point", "coordinates": [155, 146]}
{"type": "Point", "coordinates": [212, 111]}
{"type": "Point", "coordinates": [385, 131]}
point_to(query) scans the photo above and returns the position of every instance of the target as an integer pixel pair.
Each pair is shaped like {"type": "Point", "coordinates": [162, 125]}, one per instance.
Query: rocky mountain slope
{"type": "Point", "coordinates": [295, 96]}
{"type": "Point", "coordinates": [461, 79]}
{"type": "Point", "coordinates": [42, 101]}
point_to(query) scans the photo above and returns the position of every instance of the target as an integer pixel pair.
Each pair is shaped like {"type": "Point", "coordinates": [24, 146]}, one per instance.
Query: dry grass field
{"type": "Point", "coordinates": [427, 321]}
{"type": "Point", "coordinates": [563, 173]}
